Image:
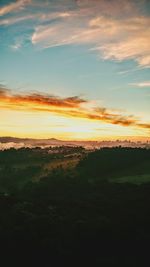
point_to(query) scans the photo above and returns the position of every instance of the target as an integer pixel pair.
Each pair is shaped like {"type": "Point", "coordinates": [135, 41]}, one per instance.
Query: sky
{"type": "Point", "coordinates": [75, 69]}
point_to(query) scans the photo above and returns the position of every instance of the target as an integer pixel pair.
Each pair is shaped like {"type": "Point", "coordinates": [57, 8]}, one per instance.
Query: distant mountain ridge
{"type": "Point", "coordinates": [8, 139]}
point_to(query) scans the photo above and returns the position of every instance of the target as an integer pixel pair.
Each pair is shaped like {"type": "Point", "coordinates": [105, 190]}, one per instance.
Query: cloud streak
{"type": "Point", "coordinates": [13, 7]}
{"type": "Point", "coordinates": [74, 107]}
{"type": "Point", "coordinates": [38, 99]}
{"type": "Point", "coordinates": [142, 84]}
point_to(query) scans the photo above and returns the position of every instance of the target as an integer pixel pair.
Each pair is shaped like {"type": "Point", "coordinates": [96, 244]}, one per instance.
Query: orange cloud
{"type": "Point", "coordinates": [71, 106]}
{"type": "Point", "coordinates": [35, 101]}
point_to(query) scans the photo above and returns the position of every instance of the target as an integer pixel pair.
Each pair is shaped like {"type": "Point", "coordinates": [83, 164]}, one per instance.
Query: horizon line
{"type": "Point", "coordinates": [119, 139]}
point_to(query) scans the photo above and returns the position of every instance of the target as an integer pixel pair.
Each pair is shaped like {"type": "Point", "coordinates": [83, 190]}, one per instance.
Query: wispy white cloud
{"type": "Point", "coordinates": [142, 84]}
{"type": "Point", "coordinates": [113, 39]}
{"type": "Point", "coordinates": [38, 17]}
{"type": "Point", "coordinates": [115, 29]}
{"type": "Point", "coordinates": [14, 20]}
{"type": "Point", "coordinates": [134, 46]}
{"type": "Point", "coordinates": [13, 7]}
{"type": "Point", "coordinates": [16, 46]}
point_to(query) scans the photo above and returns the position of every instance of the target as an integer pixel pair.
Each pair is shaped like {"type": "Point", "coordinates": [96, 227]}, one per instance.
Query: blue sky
{"type": "Point", "coordinates": [95, 50]}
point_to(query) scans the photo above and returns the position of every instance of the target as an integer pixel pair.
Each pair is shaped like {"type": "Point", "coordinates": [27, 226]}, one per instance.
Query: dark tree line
{"type": "Point", "coordinates": [65, 220]}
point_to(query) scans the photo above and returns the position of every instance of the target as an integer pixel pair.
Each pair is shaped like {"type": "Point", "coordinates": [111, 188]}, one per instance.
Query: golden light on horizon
{"type": "Point", "coordinates": [48, 125]}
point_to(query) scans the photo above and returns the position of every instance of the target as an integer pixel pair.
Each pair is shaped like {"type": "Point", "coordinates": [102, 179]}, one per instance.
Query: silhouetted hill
{"type": "Point", "coordinates": [109, 162]}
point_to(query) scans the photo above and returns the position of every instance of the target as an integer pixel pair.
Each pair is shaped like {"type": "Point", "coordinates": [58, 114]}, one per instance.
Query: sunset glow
{"type": "Point", "coordinates": [75, 69]}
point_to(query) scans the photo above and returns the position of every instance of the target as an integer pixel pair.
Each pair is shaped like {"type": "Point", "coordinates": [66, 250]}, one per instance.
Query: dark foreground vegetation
{"type": "Point", "coordinates": [85, 215]}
